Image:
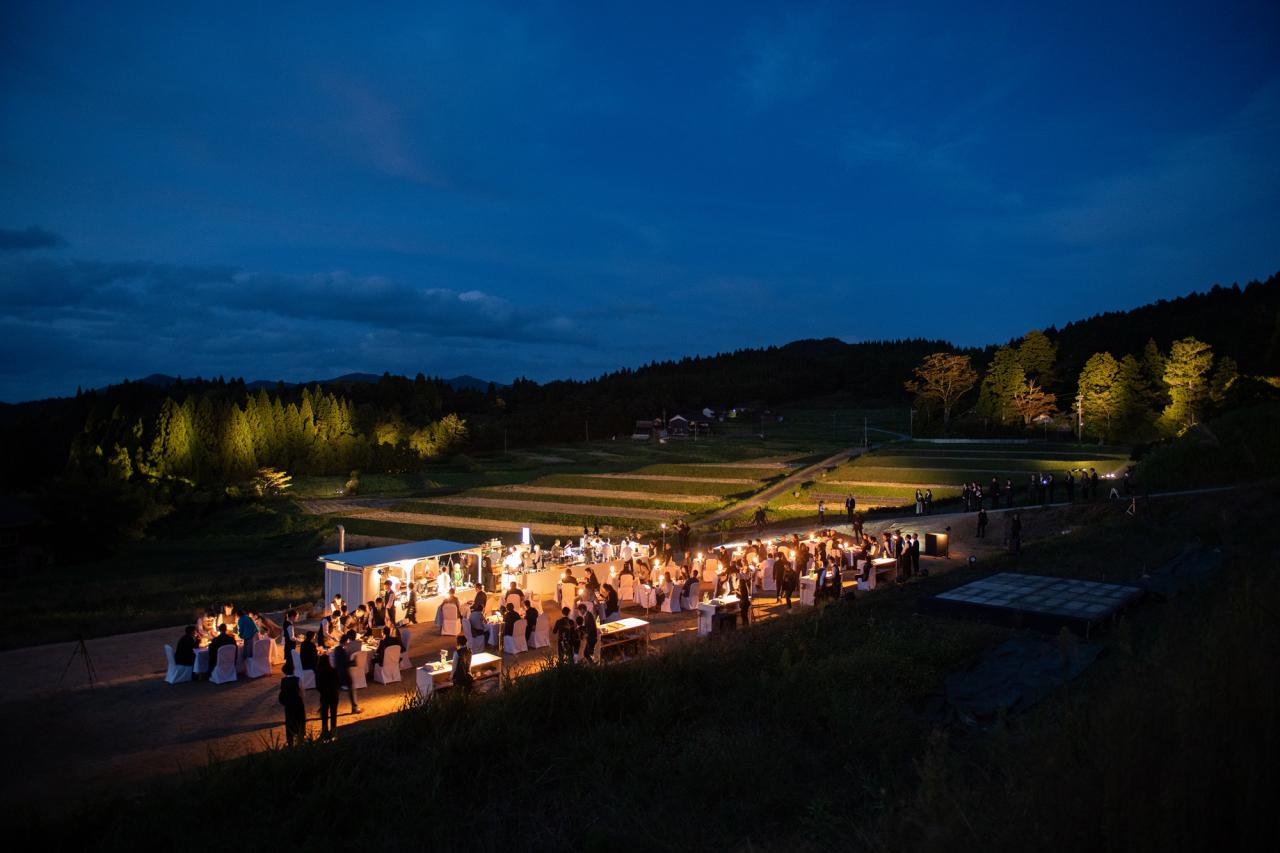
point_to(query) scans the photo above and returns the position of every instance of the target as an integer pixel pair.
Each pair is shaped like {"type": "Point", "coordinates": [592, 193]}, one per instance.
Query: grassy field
{"type": "Point", "coordinates": [255, 555]}
{"type": "Point", "coordinates": [1166, 743]}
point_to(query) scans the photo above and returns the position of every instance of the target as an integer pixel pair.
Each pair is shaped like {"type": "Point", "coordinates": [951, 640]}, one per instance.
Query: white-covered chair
{"type": "Point", "coordinates": [449, 626]}
{"type": "Point", "coordinates": [671, 604]}
{"type": "Point", "coordinates": [306, 676]}
{"type": "Point", "coordinates": [626, 589]}
{"type": "Point", "coordinates": [360, 672]}
{"type": "Point", "coordinates": [474, 640]}
{"type": "Point", "coordinates": [259, 663]}
{"type": "Point", "coordinates": [518, 634]}
{"type": "Point", "coordinates": [695, 592]}
{"type": "Point", "coordinates": [389, 671]}
{"type": "Point", "coordinates": [541, 633]}
{"type": "Point", "coordinates": [276, 658]}
{"type": "Point", "coordinates": [513, 598]}
{"type": "Point", "coordinates": [868, 583]}
{"type": "Point", "coordinates": [405, 636]}
{"type": "Point", "coordinates": [176, 674]}
{"type": "Point", "coordinates": [224, 668]}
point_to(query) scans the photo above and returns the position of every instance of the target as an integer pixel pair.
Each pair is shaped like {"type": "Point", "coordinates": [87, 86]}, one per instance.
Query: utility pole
{"type": "Point", "coordinates": [1079, 417]}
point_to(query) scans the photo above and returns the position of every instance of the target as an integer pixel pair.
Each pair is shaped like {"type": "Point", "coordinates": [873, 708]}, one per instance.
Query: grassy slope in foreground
{"type": "Point", "coordinates": [813, 716]}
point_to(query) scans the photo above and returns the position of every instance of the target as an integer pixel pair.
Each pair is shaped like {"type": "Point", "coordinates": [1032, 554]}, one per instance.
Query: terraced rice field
{"type": "Point", "coordinates": [562, 504]}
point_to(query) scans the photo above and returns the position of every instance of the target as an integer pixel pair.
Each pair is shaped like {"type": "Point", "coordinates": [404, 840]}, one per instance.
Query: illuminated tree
{"type": "Point", "coordinates": [1186, 376]}
{"type": "Point", "coordinates": [1033, 403]}
{"type": "Point", "coordinates": [1097, 392]}
{"type": "Point", "coordinates": [1005, 377]}
{"type": "Point", "coordinates": [943, 377]}
{"type": "Point", "coordinates": [1037, 354]}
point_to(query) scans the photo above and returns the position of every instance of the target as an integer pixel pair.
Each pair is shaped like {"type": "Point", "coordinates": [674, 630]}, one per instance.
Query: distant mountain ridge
{"type": "Point", "coordinates": [465, 382]}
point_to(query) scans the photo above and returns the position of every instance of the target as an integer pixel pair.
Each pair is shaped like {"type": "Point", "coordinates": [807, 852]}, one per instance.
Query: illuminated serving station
{"type": "Point", "coordinates": [425, 570]}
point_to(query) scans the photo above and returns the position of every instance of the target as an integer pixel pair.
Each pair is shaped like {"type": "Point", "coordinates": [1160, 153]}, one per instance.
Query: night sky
{"type": "Point", "coordinates": [556, 190]}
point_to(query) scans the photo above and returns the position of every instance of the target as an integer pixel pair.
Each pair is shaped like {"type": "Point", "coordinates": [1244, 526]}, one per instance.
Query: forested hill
{"type": "Point", "coordinates": [395, 419]}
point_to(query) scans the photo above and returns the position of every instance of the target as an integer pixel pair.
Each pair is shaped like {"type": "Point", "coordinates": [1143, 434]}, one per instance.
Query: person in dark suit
{"type": "Point", "coordinates": [184, 653]}
{"type": "Point", "coordinates": [531, 615]}
{"type": "Point", "coordinates": [982, 524]}
{"type": "Point", "coordinates": [295, 706]}
{"type": "Point", "coordinates": [223, 639]}
{"type": "Point", "coordinates": [915, 556]}
{"type": "Point", "coordinates": [343, 662]}
{"type": "Point", "coordinates": [327, 687]}
{"type": "Point", "coordinates": [589, 630]}
{"type": "Point", "coordinates": [509, 620]}
{"type": "Point", "coordinates": [566, 631]}
{"type": "Point", "coordinates": [744, 599]}
{"type": "Point", "coordinates": [391, 638]}
{"type": "Point", "coordinates": [307, 652]}
{"type": "Point", "coordinates": [779, 574]}
{"type": "Point", "coordinates": [479, 602]}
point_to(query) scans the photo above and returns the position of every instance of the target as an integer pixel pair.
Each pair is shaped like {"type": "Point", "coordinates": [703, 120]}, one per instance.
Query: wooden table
{"type": "Point", "coordinates": [435, 675]}
{"type": "Point", "coordinates": [707, 611]}
{"type": "Point", "coordinates": [629, 630]}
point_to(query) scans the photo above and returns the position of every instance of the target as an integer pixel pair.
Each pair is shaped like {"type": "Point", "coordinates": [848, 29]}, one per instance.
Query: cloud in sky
{"type": "Point", "coordinates": [558, 190]}
{"type": "Point", "coordinates": [29, 238]}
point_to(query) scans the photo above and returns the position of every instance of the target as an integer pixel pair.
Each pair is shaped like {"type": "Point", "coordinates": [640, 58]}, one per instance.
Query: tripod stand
{"type": "Point", "coordinates": [82, 650]}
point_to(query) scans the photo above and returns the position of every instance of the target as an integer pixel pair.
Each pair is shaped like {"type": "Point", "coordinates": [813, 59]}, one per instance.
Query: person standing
{"type": "Point", "coordinates": [982, 524]}
{"type": "Point", "coordinates": [744, 598]}
{"type": "Point", "coordinates": [461, 675]}
{"type": "Point", "coordinates": [1052, 484]}
{"type": "Point", "coordinates": [822, 512]}
{"type": "Point", "coordinates": [295, 707]}
{"type": "Point", "coordinates": [995, 493]}
{"type": "Point", "coordinates": [915, 557]}
{"type": "Point", "coordinates": [919, 502]}
{"type": "Point", "coordinates": [1070, 483]}
{"type": "Point", "coordinates": [850, 505]}
{"type": "Point", "coordinates": [790, 580]}
{"type": "Point", "coordinates": [566, 632]}
{"type": "Point", "coordinates": [928, 504]}
{"type": "Point", "coordinates": [327, 687]}
{"type": "Point", "coordinates": [1008, 493]}
{"type": "Point", "coordinates": [344, 661]}
{"type": "Point", "coordinates": [1093, 483]}
{"type": "Point", "coordinates": [779, 570]}
{"type": "Point", "coordinates": [248, 631]}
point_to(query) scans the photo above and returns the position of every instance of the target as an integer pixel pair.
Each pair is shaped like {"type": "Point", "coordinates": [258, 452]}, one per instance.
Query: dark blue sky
{"type": "Point", "coordinates": [559, 189]}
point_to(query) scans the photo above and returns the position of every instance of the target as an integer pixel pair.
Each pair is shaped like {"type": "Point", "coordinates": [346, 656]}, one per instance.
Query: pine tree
{"type": "Point", "coordinates": [171, 447]}
{"type": "Point", "coordinates": [1153, 372]}
{"type": "Point", "coordinates": [1037, 355]}
{"type": "Point", "coordinates": [238, 460]}
{"type": "Point", "coordinates": [1097, 393]}
{"type": "Point", "coordinates": [1186, 376]}
{"type": "Point", "coordinates": [1224, 376]}
{"type": "Point", "coordinates": [1132, 397]}
{"type": "Point", "coordinates": [1005, 378]}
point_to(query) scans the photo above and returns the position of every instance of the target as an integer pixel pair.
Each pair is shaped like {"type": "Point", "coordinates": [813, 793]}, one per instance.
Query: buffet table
{"type": "Point", "coordinates": [708, 610]}
{"type": "Point", "coordinates": [440, 673]}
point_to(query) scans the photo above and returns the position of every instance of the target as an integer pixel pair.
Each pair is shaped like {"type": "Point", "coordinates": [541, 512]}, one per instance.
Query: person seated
{"type": "Point", "coordinates": [184, 653]}
{"type": "Point", "coordinates": [611, 605]}
{"type": "Point", "coordinates": [307, 651]}
{"type": "Point", "coordinates": [481, 599]}
{"type": "Point", "coordinates": [516, 591]}
{"type": "Point", "coordinates": [530, 622]}
{"type": "Point", "coordinates": [389, 639]}
{"type": "Point", "coordinates": [509, 620]}
{"type": "Point", "coordinates": [377, 616]}
{"type": "Point", "coordinates": [207, 628]}
{"type": "Point", "coordinates": [479, 628]}
{"type": "Point", "coordinates": [687, 590]}
{"type": "Point", "coordinates": [227, 617]}
{"type": "Point", "coordinates": [224, 638]}
{"type": "Point", "coordinates": [592, 583]}
{"type": "Point", "coordinates": [266, 627]}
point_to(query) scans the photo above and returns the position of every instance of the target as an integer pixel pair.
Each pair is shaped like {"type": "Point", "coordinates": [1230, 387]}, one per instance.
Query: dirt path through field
{"type": "Point", "coordinates": [782, 486]}
{"type": "Point", "coordinates": [602, 493]}
{"type": "Point", "coordinates": [461, 522]}
{"type": "Point", "coordinates": [672, 478]}
{"type": "Point", "coordinates": [549, 506]}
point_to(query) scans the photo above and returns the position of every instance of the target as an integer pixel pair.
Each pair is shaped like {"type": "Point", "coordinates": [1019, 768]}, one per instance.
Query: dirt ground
{"type": "Point", "coordinates": [64, 738]}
